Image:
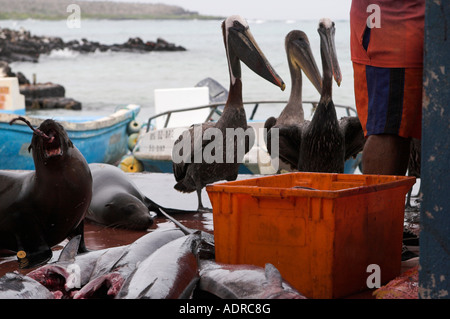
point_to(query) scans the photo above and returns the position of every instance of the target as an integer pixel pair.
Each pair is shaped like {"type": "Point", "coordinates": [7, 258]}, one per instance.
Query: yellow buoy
{"type": "Point", "coordinates": [130, 164]}
{"type": "Point", "coordinates": [132, 140]}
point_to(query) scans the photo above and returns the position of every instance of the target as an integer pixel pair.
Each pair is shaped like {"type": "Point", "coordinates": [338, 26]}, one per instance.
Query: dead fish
{"type": "Point", "coordinates": [17, 286]}
{"type": "Point", "coordinates": [405, 286]}
{"type": "Point", "coordinates": [206, 249]}
{"type": "Point", "coordinates": [107, 278]}
{"type": "Point", "coordinates": [71, 271]}
{"type": "Point", "coordinates": [106, 282]}
{"type": "Point", "coordinates": [244, 282]}
{"type": "Point", "coordinates": [170, 272]}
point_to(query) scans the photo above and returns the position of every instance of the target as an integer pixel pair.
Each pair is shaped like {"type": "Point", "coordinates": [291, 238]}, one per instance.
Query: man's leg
{"type": "Point", "coordinates": [386, 155]}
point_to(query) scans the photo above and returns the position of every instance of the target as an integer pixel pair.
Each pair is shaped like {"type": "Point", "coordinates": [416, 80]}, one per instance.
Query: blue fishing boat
{"type": "Point", "coordinates": [101, 139]}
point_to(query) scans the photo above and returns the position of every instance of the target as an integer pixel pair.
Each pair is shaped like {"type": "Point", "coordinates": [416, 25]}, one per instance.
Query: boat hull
{"type": "Point", "coordinates": [104, 140]}
{"type": "Point", "coordinates": [165, 166]}
{"type": "Point", "coordinates": [154, 151]}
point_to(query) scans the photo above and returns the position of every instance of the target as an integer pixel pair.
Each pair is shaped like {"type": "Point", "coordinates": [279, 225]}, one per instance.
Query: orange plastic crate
{"type": "Point", "coordinates": [321, 239]}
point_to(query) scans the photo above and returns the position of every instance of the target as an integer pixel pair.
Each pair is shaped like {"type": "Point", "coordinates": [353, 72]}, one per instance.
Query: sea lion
{"type": "Point", "coordinates": [117, 201]}
{"type": "Point", "coordinates": [41, 208]}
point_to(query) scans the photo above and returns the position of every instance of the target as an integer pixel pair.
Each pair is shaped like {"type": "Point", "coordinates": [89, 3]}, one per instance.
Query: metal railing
{"type": "Point", "coordinates": [215, 108]}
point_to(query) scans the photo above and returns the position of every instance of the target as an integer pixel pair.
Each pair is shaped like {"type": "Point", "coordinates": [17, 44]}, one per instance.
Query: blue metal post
{"type": "Point", "coordinates": [434, 273]}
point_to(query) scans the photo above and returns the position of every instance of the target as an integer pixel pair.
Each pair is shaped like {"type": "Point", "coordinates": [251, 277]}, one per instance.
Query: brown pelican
{"type": "Point", "coordinates": [300, 58]}
{"type": "Point", "coordinates": [325, 143]}
{"type": "Point", "coordinates": [192, 175]}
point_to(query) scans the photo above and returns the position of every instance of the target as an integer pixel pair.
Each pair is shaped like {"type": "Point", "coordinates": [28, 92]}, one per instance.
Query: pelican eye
{"type": "Point", "coordinates": [238, 25]}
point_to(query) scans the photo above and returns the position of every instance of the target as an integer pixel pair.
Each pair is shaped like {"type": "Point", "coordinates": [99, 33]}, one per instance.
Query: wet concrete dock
{"type": "Point", "coordinates": [159, 188]}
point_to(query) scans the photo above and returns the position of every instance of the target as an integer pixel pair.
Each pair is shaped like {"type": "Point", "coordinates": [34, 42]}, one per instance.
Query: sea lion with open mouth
{"type": "Point", "coordinates": [41, 208]}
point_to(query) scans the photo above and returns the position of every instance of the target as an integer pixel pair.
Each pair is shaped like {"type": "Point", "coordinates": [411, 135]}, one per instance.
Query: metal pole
{"type": "Point", "coordinates": [434, 271]}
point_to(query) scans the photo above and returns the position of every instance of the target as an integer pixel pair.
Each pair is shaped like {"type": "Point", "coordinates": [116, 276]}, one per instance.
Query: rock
{"type": "Point", "coordinates": [42, 90]}
{"type": "Point", "coordinates": [5, 71]}
{"type": "Point", "coordinates": [22, 46]}
{"type": "Point", "coordinates": [40, 95]}
{"type": "Point", "coordinates": [22, 79]}
{"type": "Point", "coordinates": [47, 96]}
{"type": "Point", "coordinates": [52, 103]}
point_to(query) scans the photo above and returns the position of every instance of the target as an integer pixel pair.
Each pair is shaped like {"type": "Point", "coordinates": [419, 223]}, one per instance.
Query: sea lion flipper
{"type": "Point", "coordinates": [29, 257]}
{"type": "Point", "coordinates": [32, 249]}
{"type": "Point", "coordinates": [33, 259]}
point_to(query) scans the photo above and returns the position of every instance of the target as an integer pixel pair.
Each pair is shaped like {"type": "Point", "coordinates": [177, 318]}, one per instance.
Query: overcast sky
{"type": "Point", "coordinates": [265, 9]}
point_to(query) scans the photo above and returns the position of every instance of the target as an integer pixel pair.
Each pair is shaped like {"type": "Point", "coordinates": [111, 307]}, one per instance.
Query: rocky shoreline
{"type": "Point", "coordinates": [21, 45]}
{"type": "Point", "coordinates": [47, 96]}
{"type": "Point", "coordinates": [40, 95]}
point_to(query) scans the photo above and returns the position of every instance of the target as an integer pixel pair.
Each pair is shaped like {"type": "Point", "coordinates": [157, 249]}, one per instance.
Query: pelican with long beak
{"type": "Point", "coordinates": [192, 175]}
{"type": "Point", "coordinates": [300, 58]}
{"type": "Point", "coordinates": [326, 142]}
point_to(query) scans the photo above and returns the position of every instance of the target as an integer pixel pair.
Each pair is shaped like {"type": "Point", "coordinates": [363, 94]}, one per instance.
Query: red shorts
{"type": "Point", "coordinates": [389, 100]}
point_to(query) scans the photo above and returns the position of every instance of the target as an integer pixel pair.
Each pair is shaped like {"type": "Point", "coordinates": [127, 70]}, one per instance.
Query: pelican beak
{"type": "Point", "coordinates": [327, 31]}
{"type": "Point", "coordinates": [241, 44]}
{"type": "Point", "coordinates": [301, 54]}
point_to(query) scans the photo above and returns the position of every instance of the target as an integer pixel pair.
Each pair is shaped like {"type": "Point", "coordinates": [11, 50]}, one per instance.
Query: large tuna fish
{"type": "Point", "coordinates": [244, 282]}
{"type": "Point", "coordinates": [17, 286]}
{"type": "Point", "coordinates": [170, 272]}
{"type": "Point", "coordinates": [107, 279]}
{"type": "Point", "coordinates": [71, 271]}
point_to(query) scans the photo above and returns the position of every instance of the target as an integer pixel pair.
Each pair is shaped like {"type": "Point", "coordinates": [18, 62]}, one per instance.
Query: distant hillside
{"type": "Point", "coordinates": [57, 9]}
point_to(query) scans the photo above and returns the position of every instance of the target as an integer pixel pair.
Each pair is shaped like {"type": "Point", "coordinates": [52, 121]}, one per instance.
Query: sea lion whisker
{"type": "Point", "coordinates": [35, 130]}
{"type": "Point", "coordinates": [115, 226]}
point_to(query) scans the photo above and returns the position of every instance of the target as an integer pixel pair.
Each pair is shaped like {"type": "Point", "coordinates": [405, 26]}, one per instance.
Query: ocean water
{"type": "Point", "coordinates": [105, 81]}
